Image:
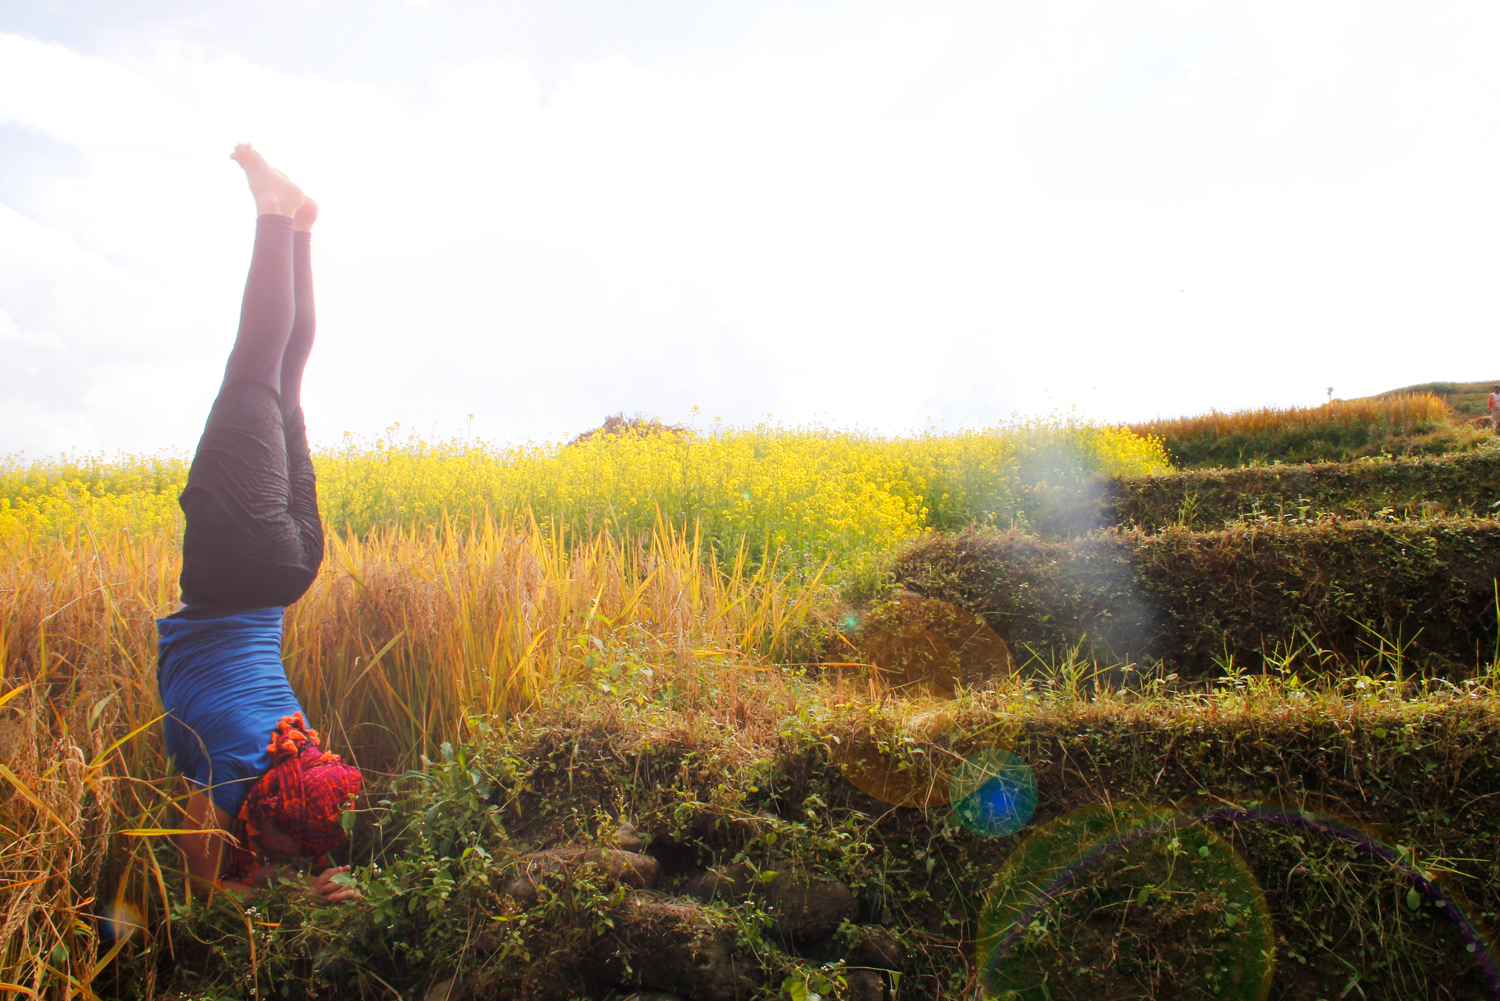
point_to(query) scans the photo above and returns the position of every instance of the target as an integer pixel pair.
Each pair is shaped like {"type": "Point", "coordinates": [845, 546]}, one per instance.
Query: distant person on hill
{"type": "Point", "coordinates": [252, 545]}
{"type": "Point", "coordinates": [1494, 408]}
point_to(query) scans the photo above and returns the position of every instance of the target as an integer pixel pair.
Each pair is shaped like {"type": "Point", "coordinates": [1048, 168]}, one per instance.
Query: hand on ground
{"type": "Point", "coordinates": [324, 889]}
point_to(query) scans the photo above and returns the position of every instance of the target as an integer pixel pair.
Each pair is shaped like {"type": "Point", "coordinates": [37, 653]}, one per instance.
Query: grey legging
{"type": "Point", "coordinates": [253, 538]}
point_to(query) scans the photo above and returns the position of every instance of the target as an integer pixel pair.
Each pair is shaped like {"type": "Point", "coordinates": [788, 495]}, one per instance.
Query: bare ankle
{"type": "Point", "coordinates": [271, 205]}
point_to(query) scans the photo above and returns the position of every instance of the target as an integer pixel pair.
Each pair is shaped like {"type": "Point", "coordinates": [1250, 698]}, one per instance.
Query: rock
{"type": "Point", "coordinates": [721, 884]}
{"type": "Point", "coordinates": [487, 941]}
{"type": "Point", "coordinates": [637, 871]}
{"type": "Point", "coordinates": [521, 889]}
{"type": "Point", "coordinates": [805, 907]}
{"type": "Point", "coordinates": [627, 839]}
{"type": "Point", "coordinates": [676, 946]}
{"type": "Point", "coordinates": [875, 947]}
{"type": "Point", "coordinates": [864, 985]}
{"type": "Point", "coordinates": [679, 856]}
{"type": "Point", "coordinates": [451, 989]}
{"type": "Point", "coordinates": [867, 946]}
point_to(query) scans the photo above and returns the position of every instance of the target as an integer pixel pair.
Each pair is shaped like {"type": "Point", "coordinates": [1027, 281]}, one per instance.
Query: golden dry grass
{"type": "Point", "coordinates": [406, 636]}
{"type": "Point", "coordinates": [1398, 413]}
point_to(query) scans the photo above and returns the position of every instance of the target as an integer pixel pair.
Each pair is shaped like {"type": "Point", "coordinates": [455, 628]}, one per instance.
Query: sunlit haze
{"type": "Point", "coordinates": [879, 215]}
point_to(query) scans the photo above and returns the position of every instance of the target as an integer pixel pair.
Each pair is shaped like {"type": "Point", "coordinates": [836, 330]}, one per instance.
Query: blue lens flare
{"type": "Point", "coordinates": [119, 920]}
{"type": "Point", "coordinates": [993, 793]}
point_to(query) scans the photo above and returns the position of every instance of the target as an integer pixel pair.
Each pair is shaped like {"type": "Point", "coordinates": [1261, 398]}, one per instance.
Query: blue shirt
{"type": "Point", "coordinates": [224, 690]}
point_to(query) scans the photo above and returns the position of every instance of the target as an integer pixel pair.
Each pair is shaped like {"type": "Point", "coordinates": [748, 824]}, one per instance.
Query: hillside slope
{"type": "Point", "coordinates": [1466, 398]}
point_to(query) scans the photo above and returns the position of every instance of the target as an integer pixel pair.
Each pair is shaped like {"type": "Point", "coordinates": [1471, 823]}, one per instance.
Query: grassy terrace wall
{"type": "Point", "coordinates": [1332, 594]}
{"type": "Point", "coordinates": [1363, 833]}
{"type": "Point", "coordinates": [1210, 498]}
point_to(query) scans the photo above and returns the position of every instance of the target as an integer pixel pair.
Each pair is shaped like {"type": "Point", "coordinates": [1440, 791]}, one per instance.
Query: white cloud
{"type": "Point", "coordinates": [874, 214]}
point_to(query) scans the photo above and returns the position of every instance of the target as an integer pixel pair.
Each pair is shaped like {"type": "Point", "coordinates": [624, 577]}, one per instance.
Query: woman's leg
{"type": "Point", "coordinates": [304, 318]}
{"type": "Point", "coordinates": [304, 488]}
{"type": "Point", "coordinates": [252, 538]}
{"type": "Point", "coordinates": [268, 309]}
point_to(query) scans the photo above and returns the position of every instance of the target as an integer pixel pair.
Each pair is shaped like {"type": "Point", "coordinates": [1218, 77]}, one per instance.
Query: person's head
{"type": "Point", "coordinates": [297, 806]}
{"type": "Point", "coordinates": [1496, 390]}
{"type": "Point", "coordinates": [274, 842]}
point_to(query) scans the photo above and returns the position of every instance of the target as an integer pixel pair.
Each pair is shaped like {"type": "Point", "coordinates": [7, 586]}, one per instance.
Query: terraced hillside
{"type": "Point", "coordinates": [1228, 733]}
{"type": "Point", "coordinates": [1325, 565]}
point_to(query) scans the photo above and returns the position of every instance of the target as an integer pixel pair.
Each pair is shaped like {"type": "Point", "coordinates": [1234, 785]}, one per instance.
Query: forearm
{"type": "Point", "coordinates": [203, 853]}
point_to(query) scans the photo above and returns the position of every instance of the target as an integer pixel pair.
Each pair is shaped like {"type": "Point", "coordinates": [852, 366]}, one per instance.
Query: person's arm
{"type": "Point", "coordinates": [204, 852]}
{"type": "Point", "coordinates": [205, 855]}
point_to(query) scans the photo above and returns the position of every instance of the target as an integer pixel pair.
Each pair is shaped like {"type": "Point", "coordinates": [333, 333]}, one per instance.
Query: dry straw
{"type": "Point", "coordinates": [1398, 413]}
{"type": "Point", "coordinates": [406, 635]}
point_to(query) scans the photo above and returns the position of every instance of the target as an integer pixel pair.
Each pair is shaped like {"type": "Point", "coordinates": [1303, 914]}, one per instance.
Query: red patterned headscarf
{"type": "Point", "coordinates": [306, 792]}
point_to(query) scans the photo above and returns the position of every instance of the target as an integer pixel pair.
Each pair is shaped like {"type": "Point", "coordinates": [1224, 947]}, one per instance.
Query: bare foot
{"type": "Point", "coordinates": [274, 193]}
{"type": "Point", "coordinates": [303, 221]}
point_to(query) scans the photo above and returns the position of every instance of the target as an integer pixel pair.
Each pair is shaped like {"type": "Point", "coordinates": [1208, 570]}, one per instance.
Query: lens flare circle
{"type": "Point", "coordinates": [994, 793]}
{"type": "Point", "coordinates": [1169, 854]}
{"type": "Point", "coordinates": [119, 921]}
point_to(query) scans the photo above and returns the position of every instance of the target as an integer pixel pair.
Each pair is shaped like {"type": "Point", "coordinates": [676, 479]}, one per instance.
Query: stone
{"type": "Point", "coordinates": [636, 871]}
{"type": "Point", "coordinates": [487, 941]}
{"type": "Point", "coordinates": [864, 985]}
{"type": "Point", "coordinates": [673, 945]}
{"type": "Point", "coordinates": [731, 884]}
{"type": "Point", "coordinates": [626, 838]}
{"type": "Point", "coordinates": [861, 946]}
{"type": "Point", "coordinates": [805, 907]}
{"type": "Point", "coordinates": [451, 989]}
{"type": "Point", "coordinates": [873, 946]}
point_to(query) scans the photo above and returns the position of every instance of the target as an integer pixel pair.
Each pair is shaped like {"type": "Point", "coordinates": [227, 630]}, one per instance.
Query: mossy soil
{"type": "Point", "coordinates": [1327, 848]}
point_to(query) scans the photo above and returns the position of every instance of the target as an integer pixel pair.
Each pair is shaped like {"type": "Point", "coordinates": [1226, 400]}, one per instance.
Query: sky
{"type": "Point", "coordinates": [886, 216]}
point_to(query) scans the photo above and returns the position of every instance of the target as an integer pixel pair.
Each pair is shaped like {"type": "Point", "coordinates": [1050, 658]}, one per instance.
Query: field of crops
{"type": "Point", "coordinates": [461, 580]}
{"type": "Point", "coordinates": [797, 496]}
{"type": "Point", "coordinates": [683, 588]}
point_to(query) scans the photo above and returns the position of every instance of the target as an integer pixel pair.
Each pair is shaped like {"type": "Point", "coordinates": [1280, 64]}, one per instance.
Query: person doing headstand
{"type": "Point", "coordinates": [252, 544]}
